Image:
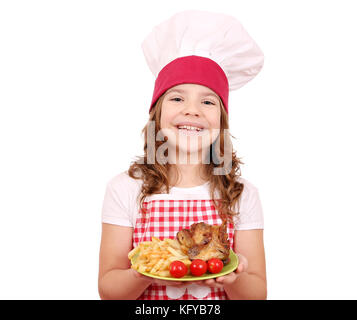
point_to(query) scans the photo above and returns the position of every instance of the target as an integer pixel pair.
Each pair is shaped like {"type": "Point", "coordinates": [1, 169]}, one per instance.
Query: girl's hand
{"type": "Point", "coordinates": [220, 282]}
{"type": "Point", "coordinates": [159, 281]}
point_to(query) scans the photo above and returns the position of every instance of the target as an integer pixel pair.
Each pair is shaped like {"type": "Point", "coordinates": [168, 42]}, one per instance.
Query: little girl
{"type": "Point", "coordinates": [188, 173]}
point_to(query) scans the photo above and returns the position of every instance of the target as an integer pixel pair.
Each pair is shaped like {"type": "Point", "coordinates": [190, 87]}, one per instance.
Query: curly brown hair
{"type": "Point", "coordinates": [155, 176]}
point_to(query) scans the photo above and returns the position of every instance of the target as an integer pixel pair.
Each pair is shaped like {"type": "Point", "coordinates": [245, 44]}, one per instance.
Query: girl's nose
{"type": "Point", "coordinates": [193, 113]}
{"type": "Point", "coordinates": [191, 108]}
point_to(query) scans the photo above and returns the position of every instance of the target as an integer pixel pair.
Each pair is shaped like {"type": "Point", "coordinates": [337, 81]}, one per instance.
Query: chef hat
{"type": "Point", "coordinates": [211, 49]}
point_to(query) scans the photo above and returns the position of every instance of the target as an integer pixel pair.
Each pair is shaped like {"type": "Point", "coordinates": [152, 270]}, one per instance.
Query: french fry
{"type": "Point", "coordinates": [163, 273]}
{"type": "Point", "coordinates": [141, 268]}
{"type": "Point", "coordinates": [156, 256]}
{"type": "Point", "coordinates": [174, 252]}
{"type": "Point", "coordinates": [132, 253]}
{"type": "Point", "coordinates": [173, 243]}
{"type": "Point", "coordinates": [166, 265]}
{"type": "Point", "coordinates": [187, 262]}
{"type": "Point", "coordinates": [157, 266]}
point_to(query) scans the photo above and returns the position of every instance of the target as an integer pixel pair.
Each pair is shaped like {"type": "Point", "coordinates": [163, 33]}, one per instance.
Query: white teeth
{"type": "Point", "coordinates": [190, 128]}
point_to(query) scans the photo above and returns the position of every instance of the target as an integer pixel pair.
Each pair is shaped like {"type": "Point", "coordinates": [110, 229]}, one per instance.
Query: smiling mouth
{"type": "Point", "coordinates": [189, 128]}
{"type": "Point", "coordinates": [196, 132]}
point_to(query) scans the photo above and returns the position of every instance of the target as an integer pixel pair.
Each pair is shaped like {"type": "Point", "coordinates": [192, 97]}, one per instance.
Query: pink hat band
{"type": "Point", "coordinates": [192, 69]}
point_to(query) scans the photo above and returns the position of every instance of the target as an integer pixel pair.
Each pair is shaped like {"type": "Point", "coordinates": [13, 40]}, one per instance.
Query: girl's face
{"type": "Point", "coordinates": [190, 118]}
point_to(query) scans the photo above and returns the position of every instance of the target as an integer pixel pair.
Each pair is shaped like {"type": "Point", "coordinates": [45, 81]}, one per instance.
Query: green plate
{"type": "Point", "coordinates": [228, 268]}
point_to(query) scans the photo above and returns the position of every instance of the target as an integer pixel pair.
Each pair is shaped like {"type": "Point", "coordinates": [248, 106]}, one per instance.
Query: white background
{"type": "Point", "coordinates": [74, 96]}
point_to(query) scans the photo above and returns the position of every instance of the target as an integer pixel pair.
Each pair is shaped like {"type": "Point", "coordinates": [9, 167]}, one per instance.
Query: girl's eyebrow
{"type": "Point", "coordinates": [204, 93]}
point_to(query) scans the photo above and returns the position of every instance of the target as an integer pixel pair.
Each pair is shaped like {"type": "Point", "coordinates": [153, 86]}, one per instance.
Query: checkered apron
{"type": "Point", "coordinates": [164, 218]}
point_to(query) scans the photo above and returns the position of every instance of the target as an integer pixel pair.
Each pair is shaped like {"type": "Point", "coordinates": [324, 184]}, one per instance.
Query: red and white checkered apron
{"type": "Point", "coordinates": [163, 220]}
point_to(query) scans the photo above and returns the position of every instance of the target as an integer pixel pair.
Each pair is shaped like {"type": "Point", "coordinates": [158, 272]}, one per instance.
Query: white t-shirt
{"type": "Point", "coordinates": [121, 203]}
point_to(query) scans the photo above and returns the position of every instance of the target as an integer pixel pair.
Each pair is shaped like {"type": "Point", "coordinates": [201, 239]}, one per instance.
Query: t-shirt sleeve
{"type": "Point", "coordinates": [119, 202]}
{"type": "Point", "coordinates": [250, 208]}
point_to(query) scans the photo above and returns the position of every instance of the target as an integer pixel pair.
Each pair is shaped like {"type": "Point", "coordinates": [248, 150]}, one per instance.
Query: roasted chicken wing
{"type": "Point", "coordinates": [205, 242]}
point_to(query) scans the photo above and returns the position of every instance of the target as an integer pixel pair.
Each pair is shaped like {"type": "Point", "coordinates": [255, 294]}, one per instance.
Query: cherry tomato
{"type": "Point", "coordinates": [198, 267]}
{"type": "Point", "coordinates": [178, 269]}
{"type": "Point", "coordinates": [214, 265]}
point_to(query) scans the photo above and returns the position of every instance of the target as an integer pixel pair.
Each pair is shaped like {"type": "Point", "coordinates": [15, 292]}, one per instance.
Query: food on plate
{"type": "Point", "coordinates": [156, 256]}
{"type": "Point", "coordinates": [198, 267]}
{"type": "Point", "coordinates": [178, 269]}
{"type": "Point", "coordinates": [205, 242]}
{"type": "Point", "coordinates": [196, 250]}
{"type": "Point", "coordinates": [214, 265]}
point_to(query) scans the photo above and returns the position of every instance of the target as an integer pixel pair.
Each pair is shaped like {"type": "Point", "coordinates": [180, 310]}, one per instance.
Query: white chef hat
{"type": "Point", "coordinates": [207, 48]}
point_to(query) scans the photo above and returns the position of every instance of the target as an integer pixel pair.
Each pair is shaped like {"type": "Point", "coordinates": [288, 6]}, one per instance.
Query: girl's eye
{"type": "Point", "coordinates": [179, 99]}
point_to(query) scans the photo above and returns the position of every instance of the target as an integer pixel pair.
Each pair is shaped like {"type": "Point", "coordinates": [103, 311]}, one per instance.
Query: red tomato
{"type": "Point", "coordinates": [178, 269]}
{"type": "Point", "coordinates": [214, 265]}
{"type": "Point", "coordinates": [198, 267]}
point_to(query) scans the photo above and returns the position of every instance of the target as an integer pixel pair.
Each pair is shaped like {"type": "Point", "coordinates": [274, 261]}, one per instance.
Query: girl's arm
{"type": "Point", "coordinates": [250, 284]}
{"type": "Point", "coordinates": [116, 280]}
